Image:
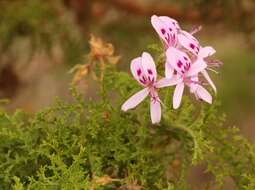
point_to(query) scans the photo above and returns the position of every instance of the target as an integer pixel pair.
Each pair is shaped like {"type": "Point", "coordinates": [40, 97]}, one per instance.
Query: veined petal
{"type": "Point", "coordinates": [203, 94]}
{"type": "Point", "coordinates": [178, 60]}
{"type": "Point", "coordinates": [164, 82]}
{"type": "Point", "coordinates": [207, 77]}
{"type": "Point", "coordinates": [196, 67]}
{"type": "Point", "coordinates": [166, 30]}
{"type": "Point", "coordinates": [155, 109]}
{"type": "Point", "coordinates": [136, 99]}
{"type": "Point", "coordinates": [149, 67]}
{"type": "Point", "coordinates": [206, 52]}
{"type": "Point", "coordinates": [189, 42]}
{"type": "Point", "coordinates": [178, 92]}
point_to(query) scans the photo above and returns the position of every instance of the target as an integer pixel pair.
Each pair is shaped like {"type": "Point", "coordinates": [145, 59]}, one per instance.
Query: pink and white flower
{"type": "Point", "coordinates": [144, 71]}
{"type": "Point", "coordinates": [185, 42]}
{"type": "Point", "coordinates": [186, 73]}
{"type": "Point", "coordinates": [173, 36]}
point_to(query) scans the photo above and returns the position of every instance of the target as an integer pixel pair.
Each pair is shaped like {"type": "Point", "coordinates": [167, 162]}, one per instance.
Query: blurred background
{"type": "Point", "coordinates": [41, 40]}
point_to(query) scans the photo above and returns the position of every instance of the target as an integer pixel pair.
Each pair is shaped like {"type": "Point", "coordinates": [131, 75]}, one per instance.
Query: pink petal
{"type": "Point", "coordinates": [178, 95]}
{"type": "Point", "coordinates": [160, 27]}
{"type": "Point", "coordinates": [178, 60]}
{"type": "Point", "coordinates": [207, 77]}
{"type": "Point", "coordinates": [170, 22]}
{"type": "Point", "coordinates": [166, 30]}
{"type": "Point", "coordinates": [155, 110]}
{"type": "Point", "coordinates": [149, 67]}
{"type": "Point", "coordinates": [189, 42]}
{"type": "Point", "coordinates": [206, 51]}
{"type": "Point", "coordinates": [169, 70]}
{"type": "Point", "coordinates": [196, 67]}
{"type": "Point", "coordinates": [136, 99]}
{"type": "Point", "coordinates": [164, 82]}
{"type": "Point", "coordinates": [203, 94]}
{"type": "Point", "coordinates": [137, 70]}
{"type": "Point", "coordinates": [193, 84]}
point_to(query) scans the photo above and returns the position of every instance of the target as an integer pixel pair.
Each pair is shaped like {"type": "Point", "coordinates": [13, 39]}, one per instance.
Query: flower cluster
{"type": "Point", "coordinates": [186, 59]}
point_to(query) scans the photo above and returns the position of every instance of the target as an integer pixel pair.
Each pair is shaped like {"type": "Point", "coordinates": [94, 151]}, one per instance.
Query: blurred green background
{"type": "Point", "coordinates": [40, 40]}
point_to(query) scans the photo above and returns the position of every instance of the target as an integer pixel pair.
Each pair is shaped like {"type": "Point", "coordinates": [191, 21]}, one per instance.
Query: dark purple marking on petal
{"type": "Point", "coordinates": [170, 29]}
{"type": "Point", "coordinates": [142, 81]}
{"type": "Point", "coordinates": [185, 58]}
{"type": "Point", "coordinates": [149, 71]}
{"type": "Point", "coordinates": [168, 38]}
{"type": "Point", "coordinates": [163, 31]}
{"type": "Point", "coordinates": [179, 64]}
{"type": "Point", "coordinates": [139, 72]}
{"type": "Point", "coordinates": [192, 46]}
{"type": "Point", "coordinates": [186, 67]}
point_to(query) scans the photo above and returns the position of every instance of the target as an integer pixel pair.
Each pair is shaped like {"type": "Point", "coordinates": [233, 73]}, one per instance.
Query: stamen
{"type": "Point", "coordinates": [213, 62]}
{"type": "Point", "coordinates": [194, 82]}
{"type": "Point", "coordinates": [210, 69]}
{"type": "Point", "coordinates": [195, 29]}
{"type": "Point", "coordinates": [205, 84]}
{"type": "Point", "coordinates": [189, 81]}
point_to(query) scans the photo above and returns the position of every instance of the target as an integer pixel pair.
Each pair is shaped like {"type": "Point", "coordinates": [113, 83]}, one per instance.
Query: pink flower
{"type": "Point", "coordinates": [186, 73]}
{"type": "Point", "coordinates": [144, 71]}
{"type": "Point", "coordinates": [173, 36]}
{"type": "Point", "coordinates": [185, 41]}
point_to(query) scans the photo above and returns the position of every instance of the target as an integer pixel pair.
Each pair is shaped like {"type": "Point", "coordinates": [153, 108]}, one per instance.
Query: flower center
{"type": "Point", "coordinates": [153, 94]}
